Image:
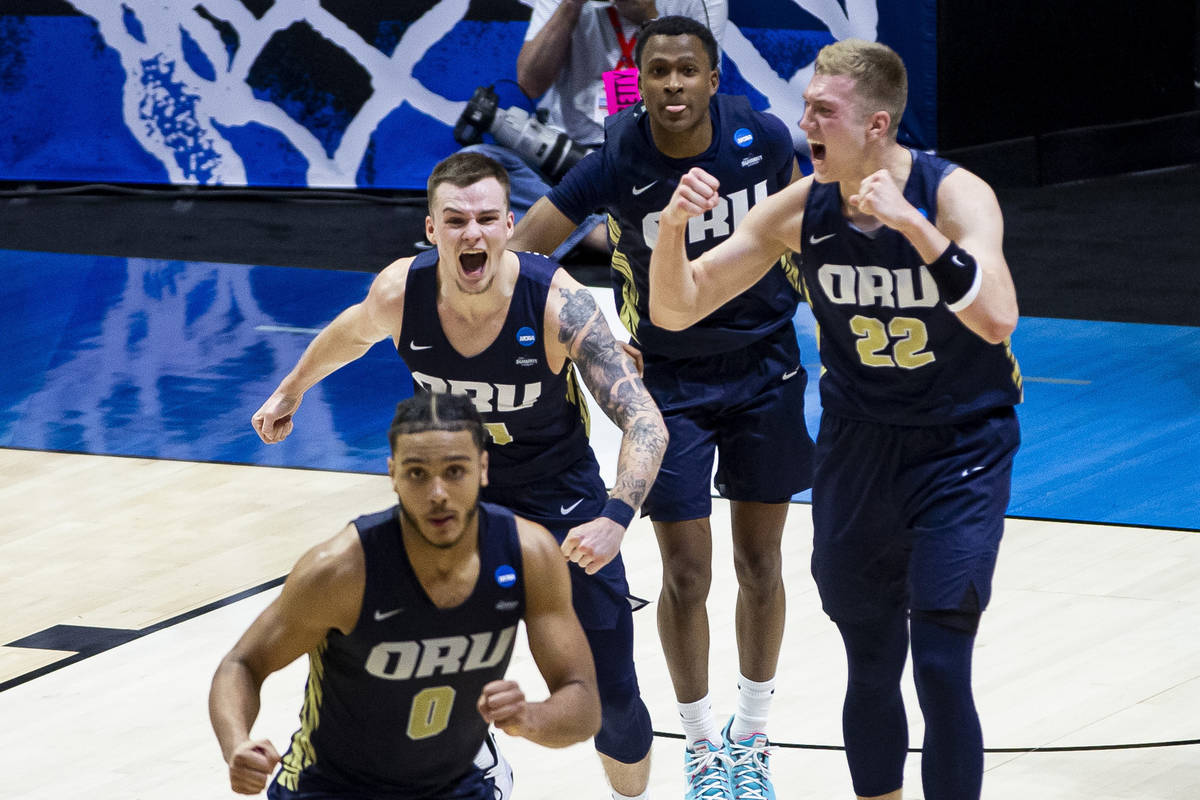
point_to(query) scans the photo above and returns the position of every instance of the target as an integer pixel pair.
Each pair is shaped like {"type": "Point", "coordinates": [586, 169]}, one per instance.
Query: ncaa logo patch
{"type": "Point", "coordinates": [742, 137]}
{"type": "Point", "coordinates": [526, 337]}
{"type": "Point", "coordinates": [505, 576]}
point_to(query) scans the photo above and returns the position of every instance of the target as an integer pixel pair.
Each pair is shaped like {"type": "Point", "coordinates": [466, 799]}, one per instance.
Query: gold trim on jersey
{"type": "Point", "coordinates": [301, 755]}
{"type": "Point", "coordinates": [575, 397]}
{"type": "Point", "coordinates": [791, 271]}
{"type": "Point", "coordinates": [1017, 380]}
{"type": "Point", "coordinates": [628, 312]}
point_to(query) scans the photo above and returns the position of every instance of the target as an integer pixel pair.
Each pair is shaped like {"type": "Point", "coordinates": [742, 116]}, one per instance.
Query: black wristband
{"type": "Point", "coordinates": [618, 511]}
{"type": "Point", "coordinates": [957, 277]}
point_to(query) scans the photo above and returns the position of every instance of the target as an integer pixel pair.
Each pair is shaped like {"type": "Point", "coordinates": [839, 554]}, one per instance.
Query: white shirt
{"type": "Point", "coordinates": [576, 98]}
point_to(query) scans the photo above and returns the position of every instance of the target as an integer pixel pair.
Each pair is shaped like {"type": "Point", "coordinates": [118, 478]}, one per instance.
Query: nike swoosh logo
{"type": "Point", "coordinates": [570, 508]}
{"type": "Point", "coordinates": [380, 616]}
{"type": "Point", "coordinates": [957, 261]}
{"type": "Point", "coordinates": [789, 375]}
{"type": "Point", "coordinates": [639, 189]}
{"type": "Point", "coordinates": [967, 472]}
{"type": "Point", "coordinates": [818, 239]}
{"type": "Point", "coordinates": [416, 346]}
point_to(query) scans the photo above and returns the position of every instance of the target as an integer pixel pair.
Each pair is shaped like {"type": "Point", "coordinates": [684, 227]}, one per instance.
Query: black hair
{"type": "Point", "coordinates": [676, 26]}
{"type": "Point", "coordinates": [427, 411]}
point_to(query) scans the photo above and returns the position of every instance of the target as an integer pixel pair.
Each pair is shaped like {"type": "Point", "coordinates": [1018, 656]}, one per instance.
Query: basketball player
{"type": "Point", "coordinates": [729, 384]}
{"type": "Point", "coordinates": [408, 618]}
{"type": "Point", "coordinates": [901, 260]}
{"type": "Point", "coordinates": [474, 318]}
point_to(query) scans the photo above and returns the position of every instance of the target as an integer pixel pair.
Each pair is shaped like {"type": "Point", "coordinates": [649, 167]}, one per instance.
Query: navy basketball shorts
{"type": "Point", "coordinates": [745, 407]}
{"type": "Point", "coordinates": [561, 501]}
{"type": "Point", "coordinates": [472, 785]}
{"type": "Point", "coordinates": [909, 516]}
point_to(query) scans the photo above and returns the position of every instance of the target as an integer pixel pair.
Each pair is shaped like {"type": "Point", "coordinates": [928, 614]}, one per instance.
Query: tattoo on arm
{"type": "Point", "coordinates": [612, 378]}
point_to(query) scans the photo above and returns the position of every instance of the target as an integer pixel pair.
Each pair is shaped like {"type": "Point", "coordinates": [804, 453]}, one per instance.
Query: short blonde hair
{"type": "Point", "coordinates": [880, 79]}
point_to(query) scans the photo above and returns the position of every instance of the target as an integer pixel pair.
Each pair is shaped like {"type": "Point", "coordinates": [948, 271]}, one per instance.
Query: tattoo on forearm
{"type": "Point", "coordinates": [609, 373]}
{"type": "Point", "coordinates": [618, 387]}
{"type": "Point", "coordinates": [641, 454]}
{"type": "Point", "coordinates": [612, 378]}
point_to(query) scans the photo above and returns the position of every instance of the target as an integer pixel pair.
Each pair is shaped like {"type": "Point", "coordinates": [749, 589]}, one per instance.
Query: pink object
{"type": "Point", "coordinates": [621, 89]}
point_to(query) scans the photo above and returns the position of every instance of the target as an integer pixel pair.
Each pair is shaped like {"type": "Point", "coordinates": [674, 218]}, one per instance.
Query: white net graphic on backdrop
{"type": "Point", "coordinates": [175, 112]}
{"type": "Point", "coordinates": [860, 20]}
{"type": "Point", "coordinates": [171, 109]}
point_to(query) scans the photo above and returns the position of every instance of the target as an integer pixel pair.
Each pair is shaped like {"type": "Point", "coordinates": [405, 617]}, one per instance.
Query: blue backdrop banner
{"type": "Point", "coordinates": [341, 93]}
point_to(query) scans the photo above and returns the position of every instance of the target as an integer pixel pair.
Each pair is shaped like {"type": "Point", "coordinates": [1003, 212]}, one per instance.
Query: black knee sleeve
{"type": "Point", "coordinates": [965, 621]}
{"type": "Point", "coordinates": [965, 618]}
{"type": "Point", "coordinates": [625, 730]}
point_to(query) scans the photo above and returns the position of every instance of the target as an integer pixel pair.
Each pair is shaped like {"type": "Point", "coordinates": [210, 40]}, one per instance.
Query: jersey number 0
{"type": "Point", "coordinates": [430, 712]}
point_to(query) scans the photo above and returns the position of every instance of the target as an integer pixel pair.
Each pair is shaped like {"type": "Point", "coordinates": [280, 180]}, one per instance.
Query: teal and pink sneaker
{"type": "Point", "coordinates": [749, 771]}
{"type": "Point", "coordinates": [706, 771]}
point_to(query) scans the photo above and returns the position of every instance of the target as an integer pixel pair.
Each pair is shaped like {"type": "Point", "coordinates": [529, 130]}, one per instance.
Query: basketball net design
{"type": "Point", "coordinates": [185, 82]}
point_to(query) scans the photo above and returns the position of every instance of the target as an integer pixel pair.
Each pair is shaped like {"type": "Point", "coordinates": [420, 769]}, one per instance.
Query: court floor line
{"type": "Point", "coordinates": [138, 634]}
{"type": "Point", "coordinates": [275, 582]}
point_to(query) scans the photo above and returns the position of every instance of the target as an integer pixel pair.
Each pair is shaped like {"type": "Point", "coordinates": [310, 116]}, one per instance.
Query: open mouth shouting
{"type": "Point", "coordinates": [472, 264]}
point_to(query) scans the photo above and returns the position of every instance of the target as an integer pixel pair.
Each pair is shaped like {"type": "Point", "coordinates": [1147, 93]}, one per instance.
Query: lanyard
{"type": "Point", "coordinates": [627, 45]}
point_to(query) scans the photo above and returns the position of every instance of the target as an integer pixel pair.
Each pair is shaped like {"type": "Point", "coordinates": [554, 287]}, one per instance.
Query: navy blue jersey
{"type": "Point", "coordinates": [389, 709]}
{"type": "Point", "coordinates": [891, 350]}
{"type": "Point", "coordinates": [537, 419]}
{"type": "Point", "coordinates": [751, 155]}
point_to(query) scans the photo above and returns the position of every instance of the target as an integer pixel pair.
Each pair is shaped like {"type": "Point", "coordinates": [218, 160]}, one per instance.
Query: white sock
{"type": "Point", "coordinates": [618, 796]}
{"type": "Point", "coordinates": [698, 721]}
{"type": "Point", "coordinates": [753, 705]}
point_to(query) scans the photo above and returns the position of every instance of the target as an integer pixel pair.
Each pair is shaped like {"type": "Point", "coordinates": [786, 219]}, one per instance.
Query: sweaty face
{"type": "Point", "coordinates": [835, 127]}
{"type": "Point", "coordinates": [471, 226]}
{"type": "Point", "coordinates": [437, 476]}
{"type": "Point", "coordinates": [676, 82]}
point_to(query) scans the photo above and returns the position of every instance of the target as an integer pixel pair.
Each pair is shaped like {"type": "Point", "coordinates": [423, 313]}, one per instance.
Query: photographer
{"type": "Point", "coordinates": [568, 47]}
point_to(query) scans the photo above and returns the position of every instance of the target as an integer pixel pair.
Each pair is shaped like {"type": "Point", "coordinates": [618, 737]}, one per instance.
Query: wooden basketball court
{"type": "Point", "coordinates": [145, 526]}
{"type": "Point", "coordinates": [1090, 641]}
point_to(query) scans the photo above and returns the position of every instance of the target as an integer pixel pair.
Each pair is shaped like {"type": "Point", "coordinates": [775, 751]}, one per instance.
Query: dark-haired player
{"type": "Point", "coordinates": [728, 385]}
{"type": "Point", "coordinates": [511, 330]}
{"type": "Point", "coordinates": [408, 617]}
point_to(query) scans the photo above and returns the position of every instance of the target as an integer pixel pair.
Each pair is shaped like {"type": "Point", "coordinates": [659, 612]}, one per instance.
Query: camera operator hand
{"type": "Point", "coordinates": [543, 57]}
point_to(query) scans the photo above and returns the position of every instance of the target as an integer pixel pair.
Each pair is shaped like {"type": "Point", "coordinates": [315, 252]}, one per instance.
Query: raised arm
{"type": "Point", "coordinates": [323, 591]}
{"type": "Point", "coordinates": [968, 217]}
{"type": "Point", "coordinates": [969, 214]}
{"type": "Point", "coordinates": [542, 57]}
{"type": "Point", "coordinates": [542, 229]}
{"type": "Point", "coordinates": [351, 334]}
{"type": "Point", "coordinates": [572, 711]}
{"type": "Point", "coordinates": [683, 291]}
{"type": "Point", "coordinates": [580, 329]}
